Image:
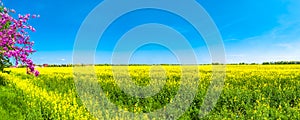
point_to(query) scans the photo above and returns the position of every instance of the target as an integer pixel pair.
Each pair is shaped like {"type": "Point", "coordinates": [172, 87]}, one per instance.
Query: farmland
{"type": "Point", "coordinates": [249, 92]}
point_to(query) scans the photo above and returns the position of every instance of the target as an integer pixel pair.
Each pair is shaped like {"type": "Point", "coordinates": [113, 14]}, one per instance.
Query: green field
{"type": "Point", "coordinates": [250, 92]}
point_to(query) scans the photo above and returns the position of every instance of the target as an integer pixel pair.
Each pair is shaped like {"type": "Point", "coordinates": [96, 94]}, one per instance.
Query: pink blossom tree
{"type": "Point", "coordinates": [15, 41]}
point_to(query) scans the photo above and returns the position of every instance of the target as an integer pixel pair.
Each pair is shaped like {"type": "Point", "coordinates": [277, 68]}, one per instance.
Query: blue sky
{"type": "Point", "coordinates": [252, 30]}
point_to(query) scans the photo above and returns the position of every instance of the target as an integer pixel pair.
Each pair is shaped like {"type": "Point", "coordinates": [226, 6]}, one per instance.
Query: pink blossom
{"type": "Point", "coordinates": [33, 16]}
{"type": "Point", "coordinates": [13, 11]}
{"type": "Point", "coordinates": [14, 40]}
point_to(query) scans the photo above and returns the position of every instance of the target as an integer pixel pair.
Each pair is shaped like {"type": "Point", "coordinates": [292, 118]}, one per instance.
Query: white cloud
{"type": "Point", "coordinates": [280, 43]}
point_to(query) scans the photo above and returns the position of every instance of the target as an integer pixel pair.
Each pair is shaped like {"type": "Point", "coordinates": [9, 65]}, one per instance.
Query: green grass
{"type": "Point", "coordinates": [10, 103]}
{"type": "Point", "coordinates": [250, 92]}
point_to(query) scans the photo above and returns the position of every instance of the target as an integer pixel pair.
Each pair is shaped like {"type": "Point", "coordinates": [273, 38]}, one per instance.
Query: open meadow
{"type": "Point", "coordinates": [250, 92]}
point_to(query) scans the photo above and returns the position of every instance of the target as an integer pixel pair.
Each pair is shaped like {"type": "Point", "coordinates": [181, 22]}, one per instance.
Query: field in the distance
{"type": "Point", "coordinates": [250, 92]}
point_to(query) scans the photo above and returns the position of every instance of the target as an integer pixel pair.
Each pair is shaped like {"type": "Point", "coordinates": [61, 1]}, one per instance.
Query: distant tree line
{"type": "Point", "coordinates": [281, 63]}
{"type": "Point", "coordinates": [265, 63]}
{"type": "Point", "coordinates": [51, 65]}
{"type": "Point", "coordinates": [61, 65]}
{"type": "Point", "coordinates": [242, 63]}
